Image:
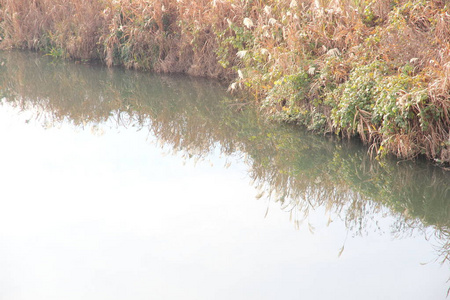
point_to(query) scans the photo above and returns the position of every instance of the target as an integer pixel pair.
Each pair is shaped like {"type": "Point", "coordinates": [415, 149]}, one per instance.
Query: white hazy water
{"type": "Point", "coordinates": [111, 215]}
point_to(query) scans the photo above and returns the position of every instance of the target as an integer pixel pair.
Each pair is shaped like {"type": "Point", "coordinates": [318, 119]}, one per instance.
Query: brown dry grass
{"type": "Point", "coordinates": [253, 44]}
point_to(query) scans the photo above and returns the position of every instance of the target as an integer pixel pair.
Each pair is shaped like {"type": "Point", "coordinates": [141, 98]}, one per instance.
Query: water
{"type": "Point", "coordinates": [125, 185]}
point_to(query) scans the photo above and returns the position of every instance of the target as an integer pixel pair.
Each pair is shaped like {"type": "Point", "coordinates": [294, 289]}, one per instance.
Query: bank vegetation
{"type": "Point", "coordinates": [378, 70]}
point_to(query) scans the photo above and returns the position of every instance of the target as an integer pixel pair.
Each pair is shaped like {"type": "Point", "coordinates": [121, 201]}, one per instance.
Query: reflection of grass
{"type": "Point", "coordinates": [303, 171]}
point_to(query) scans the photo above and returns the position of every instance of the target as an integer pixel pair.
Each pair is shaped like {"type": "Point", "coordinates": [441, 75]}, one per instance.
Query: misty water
{"type": "Point", "coordinates": [118, 184]}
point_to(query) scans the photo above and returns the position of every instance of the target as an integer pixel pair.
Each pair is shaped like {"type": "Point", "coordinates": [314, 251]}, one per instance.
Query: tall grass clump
{"type": "Point", "coordinates": [377, 69]}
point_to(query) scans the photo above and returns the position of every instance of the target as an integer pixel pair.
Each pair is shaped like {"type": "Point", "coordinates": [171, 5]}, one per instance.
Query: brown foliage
{"type": "Point", "coordinates": [256, 43]}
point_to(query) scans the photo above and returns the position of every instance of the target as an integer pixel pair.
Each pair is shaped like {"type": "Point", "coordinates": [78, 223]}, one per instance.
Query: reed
{"type": "Point", "coordinates": [376, 69]}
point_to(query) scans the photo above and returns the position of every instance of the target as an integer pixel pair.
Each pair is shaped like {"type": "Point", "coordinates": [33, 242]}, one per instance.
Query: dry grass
{"type": "Point", "coordinates": [291, 55]}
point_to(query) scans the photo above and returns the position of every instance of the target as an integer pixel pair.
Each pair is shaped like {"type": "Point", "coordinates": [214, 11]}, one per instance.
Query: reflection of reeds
{"type": "Point", "coordinates": [299, 170]}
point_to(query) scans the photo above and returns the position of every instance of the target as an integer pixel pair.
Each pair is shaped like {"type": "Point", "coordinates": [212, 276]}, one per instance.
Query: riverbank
{"type": "Point", "coordinates": [379, 70]}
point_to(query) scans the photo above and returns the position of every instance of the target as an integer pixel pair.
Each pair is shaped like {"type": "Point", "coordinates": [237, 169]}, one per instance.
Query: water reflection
{"type": "Point", "coordinates": [300, 171]}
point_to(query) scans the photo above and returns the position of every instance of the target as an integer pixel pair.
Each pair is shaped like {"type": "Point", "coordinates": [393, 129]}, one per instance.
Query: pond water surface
{"type": "Point", "coordinates": [125, 185]}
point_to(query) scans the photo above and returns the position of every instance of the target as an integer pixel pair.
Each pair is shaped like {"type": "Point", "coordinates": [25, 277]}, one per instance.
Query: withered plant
{"type": "Point", "coordinates": [377, 69]}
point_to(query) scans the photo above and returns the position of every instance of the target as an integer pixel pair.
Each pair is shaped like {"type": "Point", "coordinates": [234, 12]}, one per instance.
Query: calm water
{"type": "Point", "coordinates": [124, 185]}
